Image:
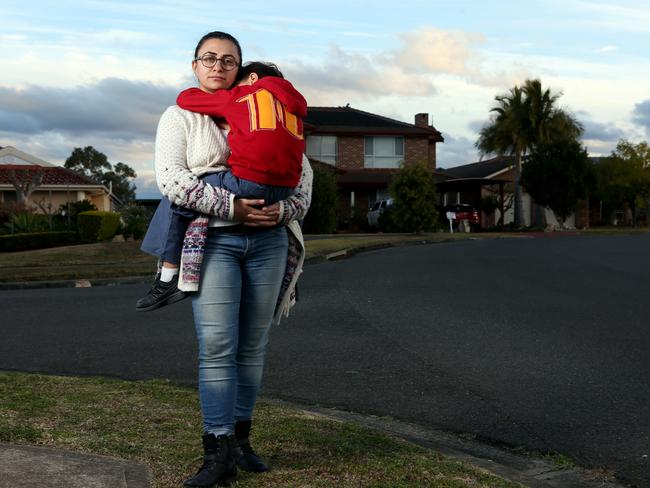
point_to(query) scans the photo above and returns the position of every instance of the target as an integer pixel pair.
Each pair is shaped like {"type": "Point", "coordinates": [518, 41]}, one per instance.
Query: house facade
{"type": "Point", "coordinates": [501, 169]}
{"type": "Point", "coordinates": [58, 185]}
{"type": "Point", "coordinates": [366, 150]}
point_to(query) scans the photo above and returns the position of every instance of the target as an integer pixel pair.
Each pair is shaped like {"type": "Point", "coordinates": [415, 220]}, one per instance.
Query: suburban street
{"type": "Point", "coordinates": [537, 342]}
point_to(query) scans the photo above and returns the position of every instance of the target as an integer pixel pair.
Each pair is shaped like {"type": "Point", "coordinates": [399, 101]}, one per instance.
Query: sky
{"type": "Point", "coordinates": [101, 73]}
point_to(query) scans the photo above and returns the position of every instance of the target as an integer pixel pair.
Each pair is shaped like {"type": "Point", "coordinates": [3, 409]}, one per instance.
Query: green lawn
{"type": "Point", "coordinates": [158, 424]}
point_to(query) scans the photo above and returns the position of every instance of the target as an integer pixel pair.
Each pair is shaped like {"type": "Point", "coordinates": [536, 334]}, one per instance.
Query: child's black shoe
{"type": "Point", "coordinates": [160, 294]}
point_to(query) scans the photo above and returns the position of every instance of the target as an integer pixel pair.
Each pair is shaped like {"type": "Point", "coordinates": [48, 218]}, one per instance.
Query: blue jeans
{"type": "Point", "coordinates": [233, 311]}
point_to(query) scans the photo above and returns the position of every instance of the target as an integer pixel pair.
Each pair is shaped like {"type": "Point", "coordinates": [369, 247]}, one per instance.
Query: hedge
{"type": "Point", "coordinates": [95, 225]}
{"type": "Point", "coordinates": [37, 240]}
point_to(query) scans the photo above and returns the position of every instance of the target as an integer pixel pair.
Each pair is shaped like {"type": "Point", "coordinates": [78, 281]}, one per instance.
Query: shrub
{"type": "Point", "coordinates": [95, 225]}
{"type": "Point", "coordinates": [136, 219]}
{"type": "Point", "coordinates": [387, 222]}
{"type": "Point", "coordinates": [414, 196]}
{"type": "Point", "coordinates": [69, 212]}
{"type": "Point", "coordinates": [321, 218]}
{"type": "Point", "coordinates": [37, 240]}
{"type": "Point", "coordinates": [26, 222]}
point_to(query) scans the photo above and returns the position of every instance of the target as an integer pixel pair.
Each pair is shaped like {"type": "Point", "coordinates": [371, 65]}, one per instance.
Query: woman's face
{"type": "Point", "coordinates": [216, 78]}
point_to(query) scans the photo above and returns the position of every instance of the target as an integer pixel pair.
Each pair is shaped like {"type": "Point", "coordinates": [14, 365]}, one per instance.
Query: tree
{"type": "Point", "coordinates": [25, 181]}
{"type": "Point", "coordinates": [119, 180]}
{"type": "Point", "coordinates": [414, 198]}
{"type": "Point", "coordinates": [624, 178]}
{"type": "Point", "coordinates": [321, 218]}
{"type": "Point", "coordinates": [524, 117]}
{"type": "Point", "coordinates": [557, 175]}
{"type": "Point", "coordinates": [136, 219]}
{"type": "Point", "coordinates": [93, 164]}
{"type": "Point", "coordinates": [88, 162]}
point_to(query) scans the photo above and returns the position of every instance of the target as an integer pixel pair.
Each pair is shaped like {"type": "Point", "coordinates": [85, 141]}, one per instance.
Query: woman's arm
{"type": "Point", "coordinates": [295, 207]}
{"type": "Point", "coordinates": [174, 178]}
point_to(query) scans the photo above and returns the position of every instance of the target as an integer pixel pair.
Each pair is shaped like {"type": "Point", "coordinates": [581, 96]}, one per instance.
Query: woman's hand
{"type": "Point", "coordinates": [246, 211]}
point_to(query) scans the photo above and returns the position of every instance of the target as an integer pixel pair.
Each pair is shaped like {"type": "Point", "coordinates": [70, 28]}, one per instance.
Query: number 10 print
{"type": "Point", "coordinates": [265, 111]}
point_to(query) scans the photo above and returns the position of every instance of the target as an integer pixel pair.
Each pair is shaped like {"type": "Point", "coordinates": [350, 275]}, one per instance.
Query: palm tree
{"type": "Point", "coordinates": [524, 117]}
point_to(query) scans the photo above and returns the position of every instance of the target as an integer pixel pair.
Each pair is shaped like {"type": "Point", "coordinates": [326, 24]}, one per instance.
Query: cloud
{"type": "Point", "coordinates": [123, 109]}
{"type": "Point", "coordinates": [598, 131]}
{"type": "Point", "coordinates": [409, 69]}
{"type": "Point", "coordinates": [456, 151]}
{"type": "Point", "coordinates": [344, 74]}
{"type": "Point", "coordinates": [433, 50]}
{"type": "Point", "coordinates": [633, 17]}
{"type": "Point", "coordinates": [606, 49]}
{"type": "Point", "coordinates": [641, 115]}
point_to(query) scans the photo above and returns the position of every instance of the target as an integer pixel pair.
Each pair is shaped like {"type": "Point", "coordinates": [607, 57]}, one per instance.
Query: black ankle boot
{"type": "Point", "coordinates": [218, 463]}
{"type": "Point", "coordinates": [246, 457]}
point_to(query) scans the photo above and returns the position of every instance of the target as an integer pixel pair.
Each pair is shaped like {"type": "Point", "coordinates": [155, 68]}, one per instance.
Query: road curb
{"type": "Point", "coordinates": [532, 472]}
{"type": "Point", "coordinates": [134, 280]}
{"type": "Point", "coordinates": [33, 285]}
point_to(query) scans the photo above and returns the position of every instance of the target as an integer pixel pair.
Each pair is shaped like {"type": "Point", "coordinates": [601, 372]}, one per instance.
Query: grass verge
{"type": "Point", "coordinates": [158, 424]}
{"type": "Point", "coordinates": [123, 259]}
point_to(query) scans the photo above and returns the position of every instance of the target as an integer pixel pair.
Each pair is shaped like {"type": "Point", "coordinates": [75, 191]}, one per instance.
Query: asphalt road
{"type": "Point", "coordinates": [542, 343]}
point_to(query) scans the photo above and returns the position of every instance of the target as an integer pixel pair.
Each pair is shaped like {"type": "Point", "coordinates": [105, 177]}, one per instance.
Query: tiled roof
{"type": "Point", "coordinates": [481, 169]}
{"type": "Point", "coordinates": [55, 175]}
{"type": "Point", "coordinates": [352, 121]}
{"type": "Point", "coordinates": [376, 177]}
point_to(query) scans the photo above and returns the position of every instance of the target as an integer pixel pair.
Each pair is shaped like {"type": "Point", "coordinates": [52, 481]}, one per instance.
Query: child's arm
{"type": "Point", "coordinates": [284, 91]}
{"type": "Point", "coordinates": [196, 100]}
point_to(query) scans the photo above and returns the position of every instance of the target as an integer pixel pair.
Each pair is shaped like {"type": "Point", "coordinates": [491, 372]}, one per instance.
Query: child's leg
{"type": "Point", "coordinates": [173, 246]}
{"type": "Point", "coordinates": [164, 290]}
{"type": "Point", "coordinates": [249, 189]}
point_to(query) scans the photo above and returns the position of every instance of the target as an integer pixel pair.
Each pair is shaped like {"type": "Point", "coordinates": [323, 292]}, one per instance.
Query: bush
{"type": "Point", "coordinates": [69, 212]}
{"type": "Point", "coordinates": [321, 218]}
{"type": "Point", "coordinates": [37, 240]}
{"type": "Point", "coordinates": [388, 223]}
{"type": "Point", "coordinates": [26, 222]}
{"type": "Point", "coordinates": [95, 225]}
{"type": "Point", "coordinates": [414, 197]}
{"type": "Point", "coordinates": [136, 219]}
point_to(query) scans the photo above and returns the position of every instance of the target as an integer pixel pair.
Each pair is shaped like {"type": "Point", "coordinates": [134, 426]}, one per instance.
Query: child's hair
{"type": "Point", "coordinates": [260, 68]}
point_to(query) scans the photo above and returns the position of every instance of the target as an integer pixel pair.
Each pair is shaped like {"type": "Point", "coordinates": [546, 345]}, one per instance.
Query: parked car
{"type": "Point", "coordinates": [461, 211]}
{"type": "Point", "coordinates": [376, 210]}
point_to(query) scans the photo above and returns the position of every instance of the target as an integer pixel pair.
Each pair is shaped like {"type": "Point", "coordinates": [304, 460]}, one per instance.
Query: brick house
{"type": "Point", "coordinates": [58, 185]}
{"type": "Point", "coordinates": [366, 150]}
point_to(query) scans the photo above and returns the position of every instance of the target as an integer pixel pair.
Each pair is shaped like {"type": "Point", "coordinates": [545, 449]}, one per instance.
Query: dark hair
{"type": "Point", "coordinates": [218, 35]}
{"type": "Point", "coordinates": [260, 68]}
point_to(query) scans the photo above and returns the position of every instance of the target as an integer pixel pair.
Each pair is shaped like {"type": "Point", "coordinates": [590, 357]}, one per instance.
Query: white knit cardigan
{"type": "Point", "coordinates": [189, 145]}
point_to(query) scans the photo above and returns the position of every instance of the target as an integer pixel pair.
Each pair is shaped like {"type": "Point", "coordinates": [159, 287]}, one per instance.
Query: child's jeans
{"type": "Point", "coordinates": [164, 237]}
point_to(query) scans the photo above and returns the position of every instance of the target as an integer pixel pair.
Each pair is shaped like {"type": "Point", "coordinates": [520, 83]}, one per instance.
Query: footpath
{"type": "Point", "coordinates": [44, 467]}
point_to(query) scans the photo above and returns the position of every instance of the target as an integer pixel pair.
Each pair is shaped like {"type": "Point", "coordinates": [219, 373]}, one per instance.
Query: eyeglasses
{"type": "Point", "coordinates": [209, 60]}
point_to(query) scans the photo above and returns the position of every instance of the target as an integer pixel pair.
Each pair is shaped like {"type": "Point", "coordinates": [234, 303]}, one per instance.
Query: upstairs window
{"type": "Point", "coordinates": [323, 148]}
{"type": "Point", "coordinates": [383, 151]}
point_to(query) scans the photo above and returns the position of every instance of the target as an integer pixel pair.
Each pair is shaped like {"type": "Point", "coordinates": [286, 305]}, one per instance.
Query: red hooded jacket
{"type": "Point", "coordinates": [266, 133]}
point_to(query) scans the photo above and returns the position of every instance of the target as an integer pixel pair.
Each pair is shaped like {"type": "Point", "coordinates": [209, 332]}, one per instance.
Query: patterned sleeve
{"type": "Point", "coordinates": [174, 178]}
{"type": "Point", "coordinates": [295, 207]}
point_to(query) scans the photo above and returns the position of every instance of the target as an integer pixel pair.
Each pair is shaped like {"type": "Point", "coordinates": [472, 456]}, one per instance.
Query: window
{"type": "Point", "coordinates": [323, 148]}
{"type": "Point", "coordinates": [9, 196]}
{"type": "Point", "coordinates": [383, 152]}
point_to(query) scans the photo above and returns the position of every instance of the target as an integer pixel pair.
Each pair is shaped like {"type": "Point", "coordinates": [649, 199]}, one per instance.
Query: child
{"type": "Point", "coordinates": [265, 113]}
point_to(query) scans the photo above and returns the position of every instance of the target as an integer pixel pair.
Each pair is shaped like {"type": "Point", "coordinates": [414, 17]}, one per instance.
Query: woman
{"type": "Point", "coordinates": [245, 274]}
